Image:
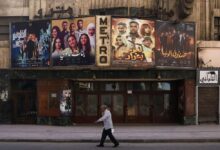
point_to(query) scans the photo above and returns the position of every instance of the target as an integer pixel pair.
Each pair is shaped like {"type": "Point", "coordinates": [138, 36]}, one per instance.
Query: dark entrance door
{"type": "Point", "coordinates": [24, 101]}
{"type": "Point", "coordinates": [138, 108]}
{"type": "Point", "coordinates": [116, 104]}
{"type": "Point", "coordinates": [130, 102]}
{"type": "Point", "coordinates": [86, 108]}
{"type": "Point", "coordinates": [208, 104]}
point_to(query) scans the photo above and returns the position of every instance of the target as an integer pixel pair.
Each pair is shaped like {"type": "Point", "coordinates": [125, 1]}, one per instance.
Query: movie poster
{"type": "Point", "coordinates": [73, 41]}
{"type": "Point", "coordinates": [175, 44]}
{"type": "Point", "coordinates": [133, 42]}
{"type": "Point", "coordinates": [66, 102]}
{"type": "Point", "coordinates": [30, 46]}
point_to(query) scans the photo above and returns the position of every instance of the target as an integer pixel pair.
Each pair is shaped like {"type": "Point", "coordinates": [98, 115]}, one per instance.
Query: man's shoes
{"type": "Point", "coordinates": [116, 145]}
{"type": "Point", "coordinates": [99, 145]}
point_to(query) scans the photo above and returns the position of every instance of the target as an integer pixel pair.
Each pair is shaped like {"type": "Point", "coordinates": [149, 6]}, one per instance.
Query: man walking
{"type": "Point", "coordinates": [108, 126]}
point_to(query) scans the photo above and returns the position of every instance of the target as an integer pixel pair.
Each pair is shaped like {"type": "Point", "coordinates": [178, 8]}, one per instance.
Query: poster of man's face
{"type": "Point", "coordinates": [3, 95]}
{"type": "Point", "coordinates": [30, 44]}
{"type": "Point", "coordinates": [175, 44]}
{"type": "Point", "coordinates": [133, 42]}
{"type": "Point", "coordinates": [73, 41]}
{"type": "Point", "coordinates": [66, 102]}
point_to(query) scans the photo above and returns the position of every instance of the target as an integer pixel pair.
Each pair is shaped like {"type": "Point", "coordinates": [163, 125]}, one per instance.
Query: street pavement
{"type": "Point", "coordinates": [108, 146]}
{"type": "Point", "coordinates": [124, 133]}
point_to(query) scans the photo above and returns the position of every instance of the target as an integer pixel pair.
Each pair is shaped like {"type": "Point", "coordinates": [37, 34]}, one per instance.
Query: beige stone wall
{"type": "Point", "coordinates": [14, 7]}
{"type": "Point", "coordinates": [4, 54]}
{"type": "Point", "coordinates": [81, 7]}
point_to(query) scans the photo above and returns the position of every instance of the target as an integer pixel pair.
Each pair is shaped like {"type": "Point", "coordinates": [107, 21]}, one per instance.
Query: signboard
{"type": "Point", "coordinates": [30, 44]}
{"type": "Point", "coordinates": [175, 44]}
{"type": "Point", "coordinates": [103, 44]}
{"type": "Point", "coordinates": [208, 77]}
{"type": "Point", "coordinates": [73, 41]}
{"type": "Point", "coordinates": [133, 41]}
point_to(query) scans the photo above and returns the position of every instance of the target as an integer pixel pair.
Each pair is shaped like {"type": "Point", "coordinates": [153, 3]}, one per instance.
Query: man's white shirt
{"type": "Point", "coordinates": [107, 120]}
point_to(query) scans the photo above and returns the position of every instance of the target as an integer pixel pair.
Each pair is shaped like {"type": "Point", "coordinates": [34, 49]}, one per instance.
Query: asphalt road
{"type": "Point", "coordinates": [92, 146]}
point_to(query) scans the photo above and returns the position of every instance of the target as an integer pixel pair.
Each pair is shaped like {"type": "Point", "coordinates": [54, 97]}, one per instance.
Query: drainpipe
{"type": "Point", "coordinates": [219, 105]}
{"type": "Point", "coordinates": [207, 19]}
{"type": "Point", "coordinates": [129, 7]}
{"type": "Point", "coordinates": [197, 108]}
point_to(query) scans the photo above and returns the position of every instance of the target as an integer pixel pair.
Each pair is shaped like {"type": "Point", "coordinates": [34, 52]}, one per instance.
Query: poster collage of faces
{"type": "Point", "coordinates": [134, 42]}
{"type": "Point", "coordinates": [73, 42]}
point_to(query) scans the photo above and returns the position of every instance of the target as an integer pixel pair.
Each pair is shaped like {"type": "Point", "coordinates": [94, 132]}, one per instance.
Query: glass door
{"type": "Point", "coordinates": [115, 102]}
{"type": "Point", "coordinates": [132, 108]}
{"type": "Point", "coordinates": [86, 108]}
{"type": "Point", "coordinates": [144, 108]}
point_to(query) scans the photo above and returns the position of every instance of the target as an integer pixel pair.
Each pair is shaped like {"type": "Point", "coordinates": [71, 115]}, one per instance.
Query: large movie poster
{"type": "Point", "coordinates": [30, 44]}
{"type": "Point", "coordinates": [73, 41]}
{"type": "Point", "coordinates": [133, 42]}
{"type": "Point", "coordinates": [175, 44]}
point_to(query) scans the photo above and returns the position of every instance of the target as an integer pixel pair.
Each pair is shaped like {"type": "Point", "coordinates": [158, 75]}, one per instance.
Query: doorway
{"type": "Point", "coordinates": [129, 102]}
{"type": "Point", "coordinates": [24, 101]}
{"type": "Point", "coordinates": [208, 104]}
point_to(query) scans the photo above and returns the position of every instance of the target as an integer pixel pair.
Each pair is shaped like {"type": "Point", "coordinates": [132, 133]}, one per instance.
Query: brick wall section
{"type": "Point", "coordinates": [189, 98]}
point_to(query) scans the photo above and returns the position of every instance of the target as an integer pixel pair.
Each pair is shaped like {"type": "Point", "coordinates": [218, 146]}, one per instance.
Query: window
{"type": "Point", "coordinates": [138, 86]}
{"type": "Point", "coordinates": [4, 26]}
{"type": "Point", "coordinates": [164, 86]}
{"type": "Point", "coordinates": [217, 28]}
{"type": "Point", "coordinates": [112, 86]}
{"type": "Point", "coordinates": [86, 86]}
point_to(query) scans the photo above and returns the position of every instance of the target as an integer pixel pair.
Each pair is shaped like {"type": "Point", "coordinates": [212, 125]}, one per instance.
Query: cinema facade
{"type": "Point", "coordinates": [143, 75]}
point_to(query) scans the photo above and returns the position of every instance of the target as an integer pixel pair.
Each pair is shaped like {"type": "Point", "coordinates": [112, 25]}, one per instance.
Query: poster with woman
{"type": "Point", "coordinates": [133, 42]}
{"type": "Point", "coordinates": [30, 44]}
{"type": "Point", "coordinates": [73, 41]}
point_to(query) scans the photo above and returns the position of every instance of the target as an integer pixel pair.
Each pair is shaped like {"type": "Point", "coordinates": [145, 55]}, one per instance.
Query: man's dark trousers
{"type": "Point", "coordinates": [109, 133]}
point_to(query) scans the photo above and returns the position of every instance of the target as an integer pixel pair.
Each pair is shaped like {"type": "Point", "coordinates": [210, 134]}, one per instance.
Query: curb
{"type": "Point", "coordinates": [121, 140]}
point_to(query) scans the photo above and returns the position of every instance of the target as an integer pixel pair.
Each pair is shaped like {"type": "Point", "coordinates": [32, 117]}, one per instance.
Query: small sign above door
{"type": "Point", "coordinates": [208, 77]}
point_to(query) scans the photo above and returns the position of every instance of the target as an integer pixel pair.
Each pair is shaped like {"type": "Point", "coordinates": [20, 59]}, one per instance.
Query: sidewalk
{"type": "Point", "coordinates": [124, 133]}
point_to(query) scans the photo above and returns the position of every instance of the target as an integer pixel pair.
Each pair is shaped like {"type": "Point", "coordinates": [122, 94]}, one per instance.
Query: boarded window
{"type": "Point", "coordinates": [4, 26]}
{"type": "Point", "coordinates": [217, 28]}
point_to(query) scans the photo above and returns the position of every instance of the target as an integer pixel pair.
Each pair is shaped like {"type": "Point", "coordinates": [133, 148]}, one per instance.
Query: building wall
{"type": "Point", "coordinates": [14, 8]}
{"type": "Point", "coordinates": [206, 8]}
{"type": "Point", "coordinates": [203, 15]}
